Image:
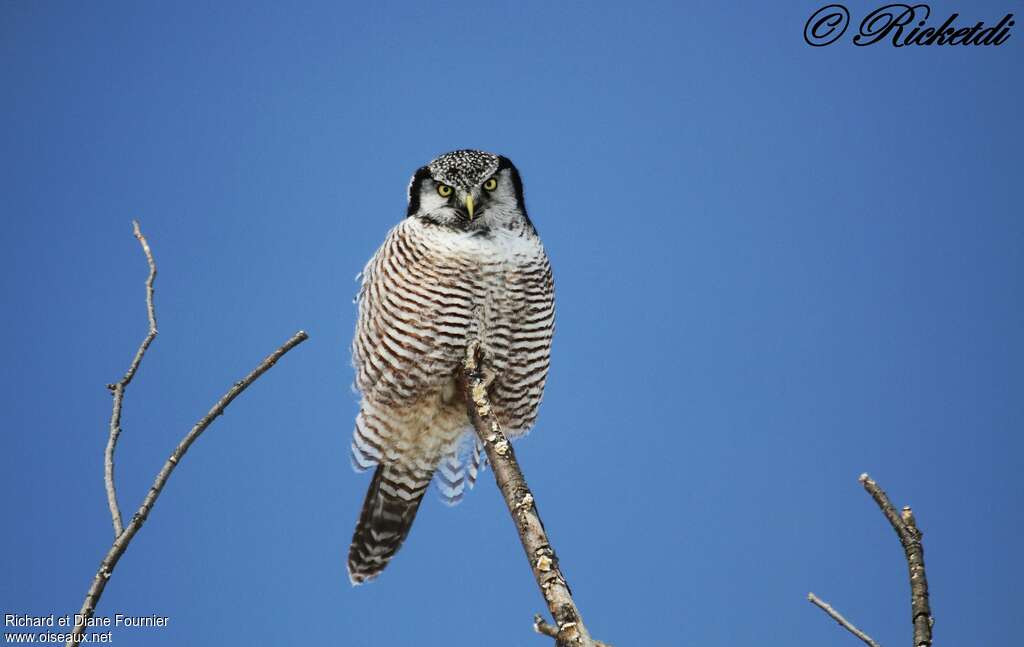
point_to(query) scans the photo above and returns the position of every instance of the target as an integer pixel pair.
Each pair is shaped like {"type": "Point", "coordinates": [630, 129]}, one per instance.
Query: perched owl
{"type": "Point", "coordinates": [465, 265]}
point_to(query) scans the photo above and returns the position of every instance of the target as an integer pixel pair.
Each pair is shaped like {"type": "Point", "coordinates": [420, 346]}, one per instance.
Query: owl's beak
{"type": "Point", "coordinates": [468, 200]}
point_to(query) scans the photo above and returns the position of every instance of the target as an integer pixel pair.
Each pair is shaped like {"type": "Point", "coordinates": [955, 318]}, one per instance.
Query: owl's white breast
{"type": "Point", "coordinates": [501, 246]}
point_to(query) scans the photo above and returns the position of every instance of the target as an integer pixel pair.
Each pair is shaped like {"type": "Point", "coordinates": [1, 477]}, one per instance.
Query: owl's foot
{"type": "Point", "coordinates": [476, 364]}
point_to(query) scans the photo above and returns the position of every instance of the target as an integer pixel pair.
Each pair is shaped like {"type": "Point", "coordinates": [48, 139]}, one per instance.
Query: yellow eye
{"type": "Point", "coordinates": [491, 184]}
{"type": "Point", "coordinates": [444, 190]}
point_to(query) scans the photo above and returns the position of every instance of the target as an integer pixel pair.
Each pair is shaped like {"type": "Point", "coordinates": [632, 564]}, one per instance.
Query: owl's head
{"type": "Point", "coordinates": [468, 190]}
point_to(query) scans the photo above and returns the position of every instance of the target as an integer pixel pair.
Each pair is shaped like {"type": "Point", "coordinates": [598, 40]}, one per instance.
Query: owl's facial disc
{"type": "Point", "coordinates": [453, 195]}
{"type": "Point", "coordinates": [468, 189]}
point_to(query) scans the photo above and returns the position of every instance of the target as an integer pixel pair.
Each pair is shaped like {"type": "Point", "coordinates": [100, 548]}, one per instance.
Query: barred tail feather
{"type": "Point", "coordinates": [391, 503]}
{"type": "Point", "coordinates": [458, 469]}
{"type": "Point", "coordinates": [477, 462]}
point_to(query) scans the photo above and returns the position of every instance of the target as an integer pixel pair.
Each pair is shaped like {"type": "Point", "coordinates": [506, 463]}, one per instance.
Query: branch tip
{"type": "Point", "coordinates": [843, 622]}
{"type": "Point", "coordinates": [118, 388]}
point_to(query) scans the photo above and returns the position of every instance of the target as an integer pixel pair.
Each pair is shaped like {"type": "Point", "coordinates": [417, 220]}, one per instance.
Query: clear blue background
{"type": "Point", "coordinates": [777, 267]}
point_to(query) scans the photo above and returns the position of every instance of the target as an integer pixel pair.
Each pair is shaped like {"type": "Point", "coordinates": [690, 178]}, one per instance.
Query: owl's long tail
{"type": "Point", "coordinates": [390, 508]}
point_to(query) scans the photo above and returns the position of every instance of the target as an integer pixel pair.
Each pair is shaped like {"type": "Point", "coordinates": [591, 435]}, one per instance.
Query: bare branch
{"type": "Point", "coordinates": [910, 538]}
{"type": "Point", "coordinates": [122, 540]}
{"type": "Point", "coordinates": [119, 388]}
{"type": "Point", "coordinates": [520, 501]}
{"type": "Point", "coordinates": [824, 606]}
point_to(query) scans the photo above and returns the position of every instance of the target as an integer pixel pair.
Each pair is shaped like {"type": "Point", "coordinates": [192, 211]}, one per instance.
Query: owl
{"type": "Point", "coordinates": [465, 266]}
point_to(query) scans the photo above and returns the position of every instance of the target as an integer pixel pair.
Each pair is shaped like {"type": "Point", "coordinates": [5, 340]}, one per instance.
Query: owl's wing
{"type": "Point", "coordinates": [414, 312]}
{"type": "Point", "coordinates": [518, 388]}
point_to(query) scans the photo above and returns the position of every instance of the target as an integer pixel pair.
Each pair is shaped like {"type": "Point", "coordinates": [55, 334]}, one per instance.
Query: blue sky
{"type": "Point", "coordinates": [777, 267]}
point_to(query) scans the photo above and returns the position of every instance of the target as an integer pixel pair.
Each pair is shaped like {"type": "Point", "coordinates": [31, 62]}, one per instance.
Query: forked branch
{"type": "Point", "coordinates": [123, 536]}
{"type": "Point", "coordinates": [910, 538]}
{"type": "Point", "coordinates": [569, 629]}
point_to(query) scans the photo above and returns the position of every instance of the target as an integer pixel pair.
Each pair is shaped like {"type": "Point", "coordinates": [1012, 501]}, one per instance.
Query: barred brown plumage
{"type": "Point", "coordinates": [463, 266]}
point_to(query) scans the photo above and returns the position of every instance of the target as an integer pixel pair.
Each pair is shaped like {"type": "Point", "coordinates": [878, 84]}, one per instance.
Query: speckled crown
{"type": "Point", "coordinates": [465, 168]}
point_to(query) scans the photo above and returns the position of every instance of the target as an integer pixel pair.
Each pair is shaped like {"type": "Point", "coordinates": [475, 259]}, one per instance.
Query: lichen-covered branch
{"type": "Point", "coordinates": [569, 629]}
{"type": "Point", "coordinates": [910, 538]}
{"type": "Point", "coordinates": [843, 622]}
{"type": "Point", "coordinates": [542, 627]}
{"type": "Point", "coordinates": [118, 388]}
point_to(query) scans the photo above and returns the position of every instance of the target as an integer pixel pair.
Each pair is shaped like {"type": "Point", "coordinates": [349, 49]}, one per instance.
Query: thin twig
{"type": "Point", "coordinates": [520, 501]}
{"type": "Point", "coordinates": [119, 388]}
{"type": "Point", "coordinates": [824, 606]}
{"type": "Point", "coordinates": [122, 540]}
{"type": "Point", "coordinates": [910, 538]}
